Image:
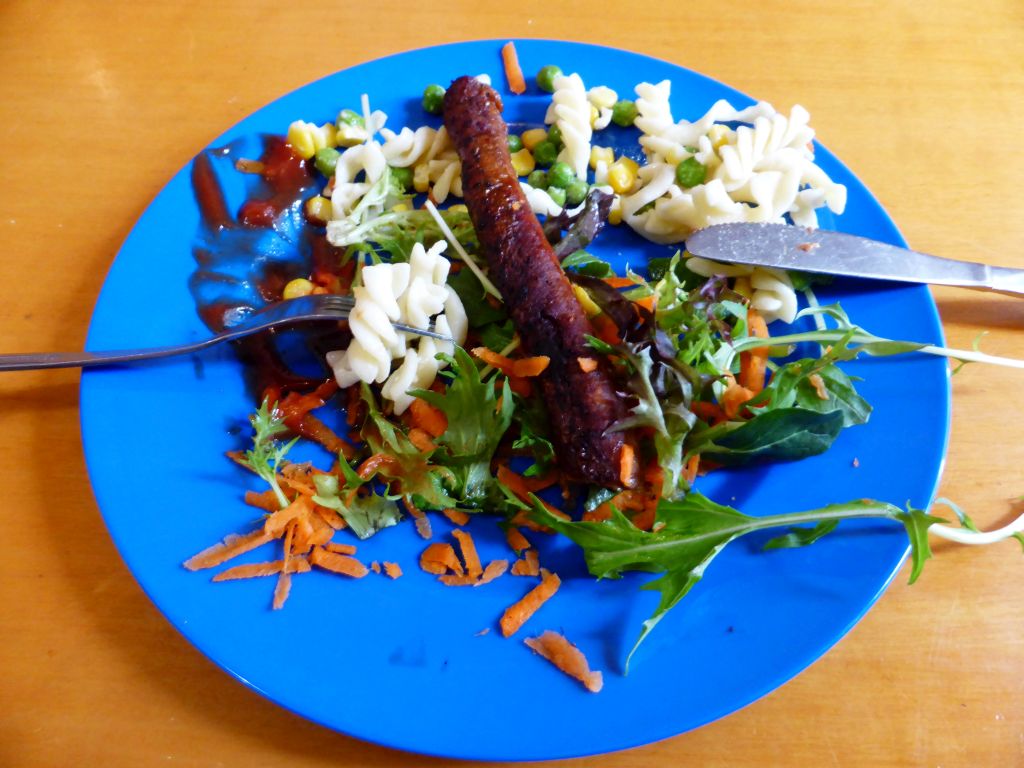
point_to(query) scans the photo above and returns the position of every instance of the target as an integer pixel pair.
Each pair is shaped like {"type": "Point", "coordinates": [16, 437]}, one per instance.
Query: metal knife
{"type": "Point", "coordinates": [836, 253]}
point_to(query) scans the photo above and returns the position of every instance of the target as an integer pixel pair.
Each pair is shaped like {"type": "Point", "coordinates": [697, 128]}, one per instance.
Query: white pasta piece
{"type": "Point", "coordinates": [405, 148]}
{"type": "Point", "coordinates": [484, 78]}
{"type": "Point", "coordinates": [367, 159]}
{"type": "Point", "coordinates": [772, 293]}
{"type": "Point", "coordinates": [604, 118]}
{"type": "Point", "coordinates": [655, 180]}
{"type": "Point", "coordinates": [602, 97]}
{"type": "Point", "coordinates": [570, 111]}
{"type": "Point", "coordinates": [411, 293]}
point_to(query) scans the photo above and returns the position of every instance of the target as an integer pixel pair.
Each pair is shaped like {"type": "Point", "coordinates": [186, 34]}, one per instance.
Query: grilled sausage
{"type": "Point", "coordinates": [581, 405]}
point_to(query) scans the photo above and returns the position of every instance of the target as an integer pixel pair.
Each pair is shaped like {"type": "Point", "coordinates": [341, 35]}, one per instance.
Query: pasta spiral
{"type": "Point", "coordinates": [570, 111]}
{"type": "Point", "coordinates": [410, 293]}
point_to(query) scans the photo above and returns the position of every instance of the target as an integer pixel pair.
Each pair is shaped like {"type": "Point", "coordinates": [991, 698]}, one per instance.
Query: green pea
{"type": "Point", "coordinates": [558, 195]}
{"type": "Point", "coordinates": [546, 78]}
{"type": "Point", "coordinates": [538, 179]}
{"type": "Point", "coordinates": [545, 153]}
{"type": "Point", "coordinates": [348, 117]}
{"type": "Point", "coordinates": [433, 99]}
{"type": "Point", "coordinates": [515, 143]}
{"type": "Point", "coordinates": [690, 172]}
{"type": "Point", "coordinates": [576, 192]}
{"type": "Point", "coordinates": [624, 113]}
{"type": "Point", "coordinates": [325, 160]}
{"type": "Point", "coordinates": [555, 136]}
{"type": "Point", "coordinates": [402, 176]}
{"type": "Point", "coordinates": [561, 175]}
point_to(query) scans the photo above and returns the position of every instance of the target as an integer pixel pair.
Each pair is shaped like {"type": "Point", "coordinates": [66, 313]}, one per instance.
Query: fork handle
{"type": "Point", "coordinates": [40, 360]}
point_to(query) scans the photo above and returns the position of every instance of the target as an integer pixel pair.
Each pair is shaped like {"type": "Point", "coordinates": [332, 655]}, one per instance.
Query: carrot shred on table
{"type": "Point", "coordinates": [457, 580]}
{"type": "Point", "coordinates": [513, 72]}
{"type": "Point", "coordinates": [343, 564]}
{"type": "Point", "coordinates": [420, 519]}
{"type": "Point", "coordinates": [440, 558]}
{"type": "Point", "coordinates": [457, 516]}
{"type": "Point", "coordinates": [340, 549]}
{"type": "Point", "coordinates": [567, 657]}
{"type": "Point", "coordinates": [275, 525]}
{"type": "Point", "coordinates": [256, 570]}
{"type": "Point", "coordinates": [232, 546]}
{"type": "Point", "coordinates": [587, 364]}
{"type": "Point", "coordinates": [375, 566]}
{"type": "Point", "coordinates": [516, 540]}
{"type": "Point", "coordinates": [267, 500]}
{"type": "Point", "coordinates": [527, 565]}
{"type": "Point", "coordinates": [494, 569]}
{"type": "Point", "coordinates": [427, 417]}
{"type": "Point", "coordinates": [467, 546]}
{"type": "Point", "coordinates": [394, 570]}
{"type": "Point", "coordinates": [519, 612]}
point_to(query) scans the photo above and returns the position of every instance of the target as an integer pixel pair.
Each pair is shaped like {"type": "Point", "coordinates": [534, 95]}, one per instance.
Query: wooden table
{"type": "Point", "coordinates": [101, 105]}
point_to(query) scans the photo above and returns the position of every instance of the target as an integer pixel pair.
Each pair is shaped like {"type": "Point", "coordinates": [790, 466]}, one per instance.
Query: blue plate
{"type": "Point", "coordinates": [402, 663]}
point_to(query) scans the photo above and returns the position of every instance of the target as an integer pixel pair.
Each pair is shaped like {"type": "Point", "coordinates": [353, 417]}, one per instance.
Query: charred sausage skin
{"type": "Point", "coordinates": [582, 406]}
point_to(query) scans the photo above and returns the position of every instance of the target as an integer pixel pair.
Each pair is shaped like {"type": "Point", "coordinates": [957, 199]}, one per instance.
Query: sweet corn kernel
{"type": "Point", "coordinates": [318, 208]}
{"type": "Point", "coordinates": [615, 212]}
{"type": "Point", "coordinates": [458, 208]}
{"type": "Point", "coordinates": [533, 137]}
{"type": "Point", "coordinates": [597, 154]}
{"type": "Point", "coordinates": [718, 135]}
{"type": "Point", "coordinates": [523, 162]}
{"type": "Point", "coordinates": [421, 178]}
{"type": "Point", "coordinates": [300, 286]}
{"type": "Point", "coordinates": [400, 207]}
{"type": "Point", "coordinates": [330, 135]}
{"type": "Point", "coordinates": [350, 135]}
{"type": "Point", "coordinates": [630, 163]}
{"type": "Point", "coordinates": [621, 178]}
{"type": "Point", "coordinates": [595, 113]}
{"type": "Point", "coordinates": [589, 307]}
{"type": "Point", "coordinates": [300, 136]}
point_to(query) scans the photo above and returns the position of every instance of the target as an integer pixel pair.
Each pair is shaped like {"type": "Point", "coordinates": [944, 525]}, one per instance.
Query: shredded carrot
{"type": "Point", "coordinates": [521, 387]}
{"type": "Point", "coordinates": [523, 367]}
{"type": "Point", "coordinates": [343, 564]}
{"type": "Point", "coordinates": [754, 362]}
{"type": "Point", "coordinates": [647, 302]}
{"type": "Point", "coordinates": [527, 367]}
{"type": "Point", "coordinates": [275, 525]}
{"type": "Point", "coordinates": [340, 549]}
{"type": "Point", "coordinates": [516, 540]}
{"type": "Point", "coordinates": [587, 364]}
{"type": "Point", "coordinates": [619, 282]}
{"type": "Point", "coordinates": [567, 657]}
{"type": "Point", "coordinates": [370, 466]}
{"type": "Point", "coordinates": [282, 589]}
{"type": "Point", "coordinates": [331, 517]}
{"type": "Point", "coordinates": [513, 72]}
{"type": "Point", "coordinates": [428, 418]}
{"type": "Point", "coordinates": [421, 439]}
{"type": "Point", "coordinates": [456, 580]}
{"type": "Point", "coordinates": [494, 569]}
{"type": "Point", "coordinates": [440, 558]}
{"type": "Point", "coordinates": [734, 398]}
{"type": "Point", "coordinates": [709, 412]}
{"type": "Point", "coordinates": [690, 472]}
{"type": "Point", "coordinates": [627, 465]}
{"type": "Point", "coordinates": [422, 523]}
{"type": "Point", "coordinates": [457, 516]}
{"type": "Point", "coordinates": [267, 500]}
{"type": "Point", "coordinates": [255, 570]}
{"type": "Point", "coordinates": [232, 546]}
{"type": "Point", "coordinates": [469, 556]}
{"type": "Point", "coordinates": [606, 330]}
{"type": "Point", "coordinates": [375, 566]}
{"type": "Point", "coordinates": [519, 612]}
{"type": "Point", "coordinates": [527, 565]}
{"type": "Point", "coordinates": [818, 383]}
{"type": "Point", "coordinates": [394, 570]}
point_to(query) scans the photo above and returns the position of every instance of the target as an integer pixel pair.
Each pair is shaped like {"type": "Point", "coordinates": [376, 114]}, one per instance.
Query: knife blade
{"type": "Point", "coordinates": [836, 253]}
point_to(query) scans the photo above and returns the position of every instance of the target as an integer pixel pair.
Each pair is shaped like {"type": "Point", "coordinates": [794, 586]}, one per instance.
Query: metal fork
{"type": "Point", "coordinates": [288, 312]}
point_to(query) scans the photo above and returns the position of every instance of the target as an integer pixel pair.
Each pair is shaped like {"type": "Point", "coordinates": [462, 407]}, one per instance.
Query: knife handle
{"type": "Point", "coordinates": [1005, 280]}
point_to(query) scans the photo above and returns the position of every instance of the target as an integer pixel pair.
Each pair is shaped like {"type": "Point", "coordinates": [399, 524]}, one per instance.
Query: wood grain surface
{"type": "Point", "coordinates": [100, 103]}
